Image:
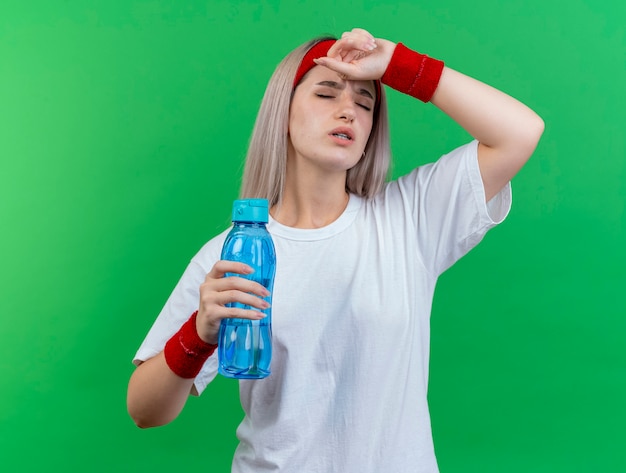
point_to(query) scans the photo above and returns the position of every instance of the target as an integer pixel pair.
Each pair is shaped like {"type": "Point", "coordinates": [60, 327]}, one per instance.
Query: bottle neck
{"type": "Point", "coordinates": [249, 224]}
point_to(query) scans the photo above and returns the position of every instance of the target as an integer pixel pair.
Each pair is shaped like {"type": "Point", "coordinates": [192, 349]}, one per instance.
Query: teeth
{"type": "Point", "coordinates": [342, 135]}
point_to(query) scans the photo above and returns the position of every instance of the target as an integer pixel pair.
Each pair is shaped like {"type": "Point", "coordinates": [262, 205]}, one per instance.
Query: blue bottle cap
{"type": "Point", "coordinates": [250, 210]}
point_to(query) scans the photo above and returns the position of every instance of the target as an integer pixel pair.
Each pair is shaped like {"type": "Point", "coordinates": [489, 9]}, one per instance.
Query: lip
{"type": "Point", "coordinates": [342, 131]}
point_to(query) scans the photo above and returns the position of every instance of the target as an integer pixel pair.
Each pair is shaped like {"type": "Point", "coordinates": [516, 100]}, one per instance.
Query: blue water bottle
{"type": "Point", "coordinates": [245, 346]}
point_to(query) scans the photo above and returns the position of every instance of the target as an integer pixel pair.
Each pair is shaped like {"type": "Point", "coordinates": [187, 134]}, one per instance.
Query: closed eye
{"type": "Point", "coordinates": [362, 105]}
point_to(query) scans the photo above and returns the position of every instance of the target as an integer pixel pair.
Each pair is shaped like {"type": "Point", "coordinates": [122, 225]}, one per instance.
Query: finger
{"type": "Point", "coordinates": [238, 297]}
{"type": "Point", "coordinates": [239, 284]}
{"type": "Point", "coordinates": [348, 42]}
{"type": "Point", "coordinates": [346, 70]}
{"type": "Point", "coordinates": [358, 38]}
{"type": "Point", "coordinates": [335, 49]}
{"type": "Point", "coordinates": [354, 55]}
{"type": "Point", "coordinates": [358, 33]}
{"type": "Point", "coordinates": [237, 313]}
{"type": "Point", "coordinates": [347, 54]}
{"type": "Point", "coordinates": [363, 32]}
{"type": "Point", "coordinates": [222, 267]}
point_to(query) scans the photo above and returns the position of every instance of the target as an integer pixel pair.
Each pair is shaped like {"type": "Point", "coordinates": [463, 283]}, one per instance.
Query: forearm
{"type": "Point", "coordinates": [155, 394]}
{"type": "Point", "coordinates": [160, 387]}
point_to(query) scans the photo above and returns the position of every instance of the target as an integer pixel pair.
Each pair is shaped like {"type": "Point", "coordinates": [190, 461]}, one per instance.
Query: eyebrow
{"type": "Point", "coordinates": [338, 86]}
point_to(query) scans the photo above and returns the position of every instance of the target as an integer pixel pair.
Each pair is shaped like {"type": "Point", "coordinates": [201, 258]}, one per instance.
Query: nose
{"type": "Point", "coordinates": [349, 117]}
{"type": "Point", "coordinates": [346, 110]}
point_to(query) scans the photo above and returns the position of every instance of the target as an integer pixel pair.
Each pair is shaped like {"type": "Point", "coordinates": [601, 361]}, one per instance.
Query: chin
{"type": "Point", "coordinates": [343, 165]}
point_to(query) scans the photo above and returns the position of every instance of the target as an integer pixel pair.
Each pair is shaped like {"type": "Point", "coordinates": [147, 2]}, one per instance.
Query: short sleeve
{"type": "Point", "coordinates": [182, 302]}
{"type": "Point", "coordinates": [446, 200]}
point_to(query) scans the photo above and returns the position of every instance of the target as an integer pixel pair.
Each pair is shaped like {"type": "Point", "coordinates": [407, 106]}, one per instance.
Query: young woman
{"type": "Point", "coordinates": [358, 259]}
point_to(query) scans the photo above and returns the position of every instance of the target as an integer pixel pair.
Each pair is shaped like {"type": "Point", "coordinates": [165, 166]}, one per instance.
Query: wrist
{"type": "Point", "coordinates": [185, 353]}
{"type": "Point", "coordinates": [413, 73]}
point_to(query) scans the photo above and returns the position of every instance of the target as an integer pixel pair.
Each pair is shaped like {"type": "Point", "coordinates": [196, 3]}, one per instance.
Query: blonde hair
{"type": "Point", "coordinates": [266, 161]}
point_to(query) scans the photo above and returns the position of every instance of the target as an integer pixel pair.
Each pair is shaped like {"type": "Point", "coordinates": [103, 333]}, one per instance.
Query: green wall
{"type": "Point", "coordinates": [123, 125]}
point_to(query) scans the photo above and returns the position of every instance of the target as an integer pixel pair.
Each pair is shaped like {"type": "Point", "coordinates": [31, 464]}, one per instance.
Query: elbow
{"type": "Point", "coordinates": [142, 425]}
{"type": "Point", "coordinates": [149, 413]}
{"type": "Point", "coordinates": [533, 130]}
{"type": "Point", "coordinates": [155, 396]}
{"type": "Point", "coordinates": [144, 421]}
{"type": "Point", "coordinates": [537, 128]}
{"type": "Point", "coordinates": [146, 413]}
{"type": "Point", "coordinates": [140, 419]}
{"type": "Point", "coordinates": [524, 140]}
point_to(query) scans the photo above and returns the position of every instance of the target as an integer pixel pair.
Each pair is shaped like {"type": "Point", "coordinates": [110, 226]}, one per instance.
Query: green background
{"type": "Point", "coordinates": [123, 125]}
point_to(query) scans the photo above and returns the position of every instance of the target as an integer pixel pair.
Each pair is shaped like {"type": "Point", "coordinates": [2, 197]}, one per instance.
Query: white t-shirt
{"type": "Point", "coordinates": [351, 326]}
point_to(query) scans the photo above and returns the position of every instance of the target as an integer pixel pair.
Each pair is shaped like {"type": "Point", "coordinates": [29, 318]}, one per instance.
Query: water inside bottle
{"type": "Point", "coordinates": [246, 349]}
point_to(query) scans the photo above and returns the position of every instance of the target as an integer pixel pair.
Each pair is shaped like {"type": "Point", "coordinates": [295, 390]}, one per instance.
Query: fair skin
{"type": "Point", "coordinates": [329, 125]}
{"type": "Point", "coordinates": [330, 121]}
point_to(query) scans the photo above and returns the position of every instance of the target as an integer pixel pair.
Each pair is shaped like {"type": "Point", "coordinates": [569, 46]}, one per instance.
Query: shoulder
{"type": "Point", "coordinates": [210, 252]}
{"type": "Point", "coordinates": [451, 162]}
{"type": "Point", "coordinates": [461, 162]}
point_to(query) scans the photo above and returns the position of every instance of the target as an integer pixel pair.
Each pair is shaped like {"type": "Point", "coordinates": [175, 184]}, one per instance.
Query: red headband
{"type": "Point", "coordinates": [320, 50]}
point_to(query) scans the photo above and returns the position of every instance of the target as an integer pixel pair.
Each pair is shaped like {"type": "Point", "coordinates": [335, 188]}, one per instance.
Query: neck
{"type": "Point", "coordinates": [312, 202]}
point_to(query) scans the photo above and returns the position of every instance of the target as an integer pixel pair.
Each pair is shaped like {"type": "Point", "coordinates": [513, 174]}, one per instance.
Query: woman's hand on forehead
{"type": "Point", "coordinates": [358, 56]}
{"type": "Point", "coordinates": [353, 45]}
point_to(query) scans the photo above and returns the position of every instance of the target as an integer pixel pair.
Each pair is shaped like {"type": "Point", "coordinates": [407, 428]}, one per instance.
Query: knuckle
{"type": "Point", "coordinates": [232, 295]}
{"type": "Point", "coordinates": [233, 281]}
{"type": "Point", "coordinates": [233, 314]}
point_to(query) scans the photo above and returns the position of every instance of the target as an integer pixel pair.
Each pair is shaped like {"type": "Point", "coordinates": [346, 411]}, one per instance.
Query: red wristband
{"type": "Point", "coordinates": [185, 353]}
{"type": "Point", "coordinates": [413, 73]}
